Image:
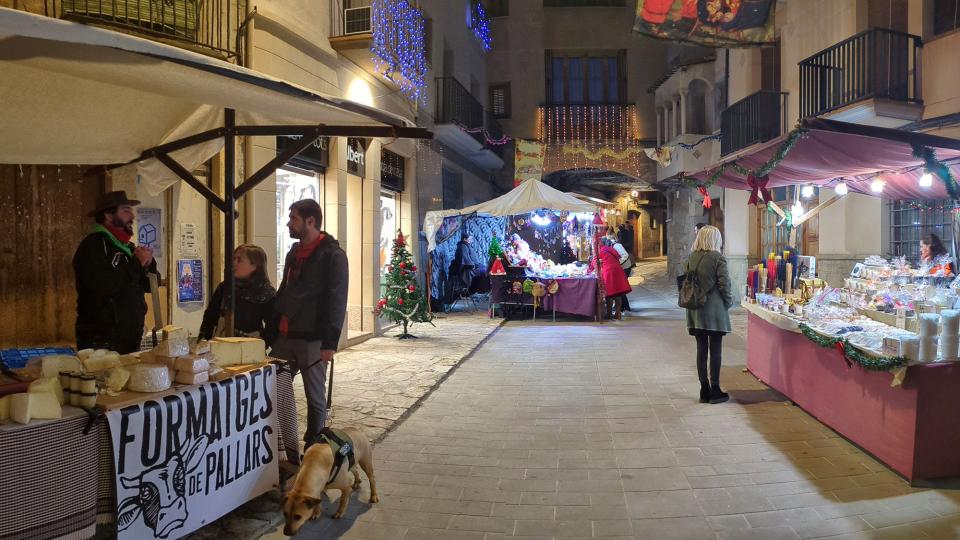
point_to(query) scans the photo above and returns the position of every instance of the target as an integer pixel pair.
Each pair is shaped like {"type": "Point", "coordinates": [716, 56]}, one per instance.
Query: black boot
{"type": "Point", "coordinates": [704, 394]}
{"type": "Point", "coordinates": [718, 396]}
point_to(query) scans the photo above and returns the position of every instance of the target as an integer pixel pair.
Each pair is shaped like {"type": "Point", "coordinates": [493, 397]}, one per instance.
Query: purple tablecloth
{"type": "Point", "coordinates": [576, 296]}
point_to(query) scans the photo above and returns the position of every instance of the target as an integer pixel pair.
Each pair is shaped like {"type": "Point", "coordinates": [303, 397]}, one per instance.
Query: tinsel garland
{"type": "Point", "coordinates": [852, 354]}
{"type": "Point", "coordinates": [604, 151]}
{"type": "Point", "coordinates": [935, 166]}
{"type": "Point", "coordinates": [762, 170]}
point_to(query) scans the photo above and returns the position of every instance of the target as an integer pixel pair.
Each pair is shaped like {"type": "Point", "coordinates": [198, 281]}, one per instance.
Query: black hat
{"type": "Point", "coordinates": [112, 199]}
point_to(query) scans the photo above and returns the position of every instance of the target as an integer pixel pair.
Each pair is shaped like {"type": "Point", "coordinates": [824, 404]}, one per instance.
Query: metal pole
{"type": "Point", "coordinates": [230, 216]}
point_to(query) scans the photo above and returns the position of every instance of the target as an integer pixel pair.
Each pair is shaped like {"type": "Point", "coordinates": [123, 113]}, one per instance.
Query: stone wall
{"type": "Point", "coordinates": [685, 211]}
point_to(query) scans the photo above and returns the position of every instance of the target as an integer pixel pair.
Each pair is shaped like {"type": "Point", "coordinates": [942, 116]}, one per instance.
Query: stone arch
{"type": "Point", "coordinates": [699, 117]}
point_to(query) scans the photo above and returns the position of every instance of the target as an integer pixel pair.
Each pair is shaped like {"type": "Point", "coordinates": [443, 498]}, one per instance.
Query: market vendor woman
{"type": "Point", "coordinates": [111, 277]}
{"type": "Point", "coordinates": [933, 255]}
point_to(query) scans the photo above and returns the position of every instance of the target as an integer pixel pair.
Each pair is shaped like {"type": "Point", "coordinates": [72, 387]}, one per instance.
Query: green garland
{"type": "Point", "coordinates": [787, 215]}
{"type": "Point", "coordinates": [851, 353]}
{"type": "Point", "coordinates": [763, 170]}
{"type": "Point", "coordinates": [935, 166]}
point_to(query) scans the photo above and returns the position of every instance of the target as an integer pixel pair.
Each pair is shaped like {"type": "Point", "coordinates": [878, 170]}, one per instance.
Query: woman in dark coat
{"type": "Point", "coordinates": [253, 309]}
{"type": "Point", "coordinates": [711, 322]}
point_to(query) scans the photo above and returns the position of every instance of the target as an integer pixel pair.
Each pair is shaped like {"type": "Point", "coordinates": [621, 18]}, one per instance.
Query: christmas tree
{"type": "Point", "coordinates": [495, 250]}
{"type": "Point", "coordinates": [403, 301]}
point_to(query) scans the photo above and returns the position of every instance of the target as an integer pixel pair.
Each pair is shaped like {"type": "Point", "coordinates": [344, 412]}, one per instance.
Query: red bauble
{"type": "Point", "coordinates": [413, 268]}
{"type": "Point", "coordinates": [400, 301]}
{"type": "Point", "coordinates": [411, 288]}
{"type": "Point", "coordinates": [403, 265]}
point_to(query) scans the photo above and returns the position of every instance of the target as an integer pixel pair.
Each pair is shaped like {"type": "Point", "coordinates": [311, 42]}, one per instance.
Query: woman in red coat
{"type": "Point", "coordinates": [615, 282]}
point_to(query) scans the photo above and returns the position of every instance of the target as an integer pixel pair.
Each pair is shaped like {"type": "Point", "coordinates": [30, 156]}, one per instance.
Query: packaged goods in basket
{"type": "Point", "coordinates": [149, 378]}
{"type": "Point", "coordinates": [34, 406]}
{"type": "Point", "coordinates": [238, 350]}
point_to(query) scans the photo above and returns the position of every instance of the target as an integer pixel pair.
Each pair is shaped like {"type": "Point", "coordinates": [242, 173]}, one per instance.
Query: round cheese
{"type": "Point", "coordinates": [149, 378]}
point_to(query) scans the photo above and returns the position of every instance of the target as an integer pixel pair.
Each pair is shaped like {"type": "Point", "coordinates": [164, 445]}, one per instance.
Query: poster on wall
{"type": "Point", "coordinates": [529, 161]}
{"type": "Point", "coordinates": [189, 281]}
{"type": "Point", "coordinates": [149, 230]}
{"type": "Point", "coordinates": [186, 459]}
{"type": "Point", "coordinates": [710, 23]}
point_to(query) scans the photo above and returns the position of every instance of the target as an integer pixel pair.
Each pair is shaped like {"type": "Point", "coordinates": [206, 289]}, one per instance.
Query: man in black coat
{"type": "Point", "coordinates": [111, 279]}
{"type": "Point", "coordinates": [311, 304]}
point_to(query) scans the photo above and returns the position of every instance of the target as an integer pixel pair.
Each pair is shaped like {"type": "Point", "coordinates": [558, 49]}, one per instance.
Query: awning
{"type": "Point", "coordinates": [529, 196]}
{"type": "Point", "coordinates": [77, 94]}
{"type": "Point", "coordinates": [829, 151]}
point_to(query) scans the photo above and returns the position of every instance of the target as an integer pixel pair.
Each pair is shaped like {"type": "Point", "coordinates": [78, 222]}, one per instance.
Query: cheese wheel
{"type": "Point", "coordinates": [186, 377]}
{"type": "Point", "coordinates": [116, 378]}
{"type": "Point", "coordinates": [192, 364]}
{"type": "Point", "coordinates": [84, 353]}
{"type": "Point", "coordinates": [48, 384]}
{"type": "Point", "coordinates": [149, 378]}
{"type": "Point", "coordinates": [52, 365]}
{"type": "Point", "coordinates": [129, 359]}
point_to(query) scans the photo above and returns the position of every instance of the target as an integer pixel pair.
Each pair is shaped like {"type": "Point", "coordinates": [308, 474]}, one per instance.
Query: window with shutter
{"type": "Point", "coordinates": [500, 100]}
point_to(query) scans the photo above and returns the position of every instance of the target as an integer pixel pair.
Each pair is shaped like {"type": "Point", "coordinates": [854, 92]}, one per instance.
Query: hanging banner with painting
{"type": "Point", "coordinates": [710, 23]}
{"type": "Point", "coordinates": [528, 161]}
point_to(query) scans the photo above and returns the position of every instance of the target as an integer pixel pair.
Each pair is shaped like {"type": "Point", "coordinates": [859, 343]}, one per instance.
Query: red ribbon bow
{"type": "Point", "coordinates": [758, 188]}
{"type": "Point", "coordinates": [707, 203]}
{"type": "Point", "coordinates": [841, 348]}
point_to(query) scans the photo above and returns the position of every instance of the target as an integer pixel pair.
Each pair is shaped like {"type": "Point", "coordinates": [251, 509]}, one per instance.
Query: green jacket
{"type": "Point", "coordinates": [711, 266]}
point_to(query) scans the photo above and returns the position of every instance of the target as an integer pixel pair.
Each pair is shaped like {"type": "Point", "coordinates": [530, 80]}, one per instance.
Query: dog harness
{"type": "Point", "coordinates": [342, 447]}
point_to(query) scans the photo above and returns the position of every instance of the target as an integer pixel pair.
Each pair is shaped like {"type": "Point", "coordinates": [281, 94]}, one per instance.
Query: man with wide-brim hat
{"type": "Point", "coordinates": [111, 276]}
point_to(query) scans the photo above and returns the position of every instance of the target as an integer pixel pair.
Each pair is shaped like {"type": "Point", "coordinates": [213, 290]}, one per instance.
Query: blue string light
{"type": "Point", "coordinates": [480, 24]}
{"type": "Point", "coordinates": [397, 45]}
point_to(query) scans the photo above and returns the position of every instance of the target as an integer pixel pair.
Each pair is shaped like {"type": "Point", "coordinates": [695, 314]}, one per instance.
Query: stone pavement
{"type": "Point", "coordinates": [582, 430]}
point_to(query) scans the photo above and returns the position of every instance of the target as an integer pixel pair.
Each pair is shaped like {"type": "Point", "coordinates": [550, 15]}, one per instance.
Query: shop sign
{"type": "Point", "coordinates": [149, 230]}
{"type": "Point", "coordinates": [356, 157]}
{"type": "Point", "coordinates": [391, 170]}
{"type": "Point", "coordinates": [315, 157]}
{"type": "Point", "coordinates": [186, 459]}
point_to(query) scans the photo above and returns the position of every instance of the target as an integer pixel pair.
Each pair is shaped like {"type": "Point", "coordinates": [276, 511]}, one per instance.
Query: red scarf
{"type": "Point", "coordinates": [302, 253]}
{"type": "Point", "coordinates": [119, 233]}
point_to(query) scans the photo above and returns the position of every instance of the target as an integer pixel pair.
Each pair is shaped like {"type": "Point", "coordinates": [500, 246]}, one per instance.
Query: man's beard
{"type": "Point", "coordinates": [295, 234]}
{"type": "Point", "coordinates": [118, 223]}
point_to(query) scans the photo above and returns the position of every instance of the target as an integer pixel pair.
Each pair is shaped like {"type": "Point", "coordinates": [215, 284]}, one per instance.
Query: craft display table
{"type": "Point", "coordinates": [575, 296]}
{"type": "Point", "coordinates": [912, 428]}
{"type": "Point", "coordinates": [57, 477]}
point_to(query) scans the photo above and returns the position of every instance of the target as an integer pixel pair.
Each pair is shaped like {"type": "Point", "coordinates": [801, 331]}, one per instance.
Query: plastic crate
{"type": "Point", "coordinates": [17, 358]}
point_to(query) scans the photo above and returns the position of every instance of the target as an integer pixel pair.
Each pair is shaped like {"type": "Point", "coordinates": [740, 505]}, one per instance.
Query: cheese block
{"type": "Point", "coordinates": [53, 364]}
{"type": "Point", "coordinates": [218, 374]}
{"type": "Point", "coordinates": [200, 347]}
{"type": "Point", "coordinates": [84, 353]}
{"type": "Point", "coordinates": [239, 350]}
{"type": "Point", "coordinates": [175, 333]}
{"type": "Point", "coordinates": [48, 384]}
{"type": "Point", "coordinates": [29, 406]}
{"type": "Point", "coordinates": [172, 348]}
{"type": "Point", "coordinates": [116, 378]}
{"type": "Point", "coordinates": [149, 378]}
{"type": "Point", "coordinates": [168, 361]}
{"type": "Point", "coordinates": [192, 363]}
{"type": "Point", "coordinates": [186, 377]}
{"type": "Point", "coordinates": [4, 408]}
{"type": "Point", "coordinates": [101, 362]}
{"type": "Point", "coordinates": [129, 359]}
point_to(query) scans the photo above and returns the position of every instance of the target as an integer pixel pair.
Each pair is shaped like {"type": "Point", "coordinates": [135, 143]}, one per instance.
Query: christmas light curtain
{"type": "Point", "coordinates": [591, 136]}
{"type": "Point", "coordinates": [397, 43]}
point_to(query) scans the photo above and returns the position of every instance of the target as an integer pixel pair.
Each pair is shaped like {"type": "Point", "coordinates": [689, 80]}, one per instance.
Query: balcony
{"type": "Point", "coordinates": [212, 27]}
{"type": "Point", "coordinates": [754, 119]}
{"type": "Point", "coordinates": [872, 78]}
{"type": "Point", "coordinates": [462, 124]}
{"type": "Point", "coordinates": [586, 123]}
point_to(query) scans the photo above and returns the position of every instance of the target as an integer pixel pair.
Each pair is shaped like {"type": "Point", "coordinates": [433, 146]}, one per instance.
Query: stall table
{"type": "Point", "coordinates": [912, 428]}
{"type": "Point", "coordinates": [57, 477]}
{"type": "Point", "coordinates": [576, 296]}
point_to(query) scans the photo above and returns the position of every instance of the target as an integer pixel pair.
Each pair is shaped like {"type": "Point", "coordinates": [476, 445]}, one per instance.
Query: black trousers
{"type": "Point", "coordinates": [708, 341]}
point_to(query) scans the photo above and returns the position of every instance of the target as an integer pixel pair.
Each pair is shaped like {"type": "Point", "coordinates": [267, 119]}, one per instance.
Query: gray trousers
{"type": "Point", "coordinates": [304, 356]}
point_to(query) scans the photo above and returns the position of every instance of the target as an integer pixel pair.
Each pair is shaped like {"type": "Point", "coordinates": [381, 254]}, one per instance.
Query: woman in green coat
{"type": "Point", "coordinates": [711, 322]}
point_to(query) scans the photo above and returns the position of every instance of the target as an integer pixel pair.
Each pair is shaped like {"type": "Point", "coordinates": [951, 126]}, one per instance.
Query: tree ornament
{"type": "Point", "coordinates": [402, 265]}
{"type": "Point", "coordinates": [411, 288]}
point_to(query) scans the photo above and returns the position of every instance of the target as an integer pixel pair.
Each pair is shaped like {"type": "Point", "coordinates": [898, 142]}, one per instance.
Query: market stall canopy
{"type": "Point", "coordinates": [828, 152]}
{"type": "Point", "coordinates": [529, 196]}
{"type": "Point", "coordinates": [77, 94]}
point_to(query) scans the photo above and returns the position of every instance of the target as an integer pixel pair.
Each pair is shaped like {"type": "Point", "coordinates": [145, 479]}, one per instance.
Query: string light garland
{"type": "Point", "coordinates": [480, 24]}
{"type": "Point", "coordinates": [782, 151]}
{"type": "Point", "coordinates": [399, 54]}
{"type": "Point", "coordinates": [490, 139]}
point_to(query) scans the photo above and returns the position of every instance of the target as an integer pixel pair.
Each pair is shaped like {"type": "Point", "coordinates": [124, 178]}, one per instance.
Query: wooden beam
{"type": "Point", "coordinates": [816, 210]}
{"type": "Point", "coordinates": [187, 177]}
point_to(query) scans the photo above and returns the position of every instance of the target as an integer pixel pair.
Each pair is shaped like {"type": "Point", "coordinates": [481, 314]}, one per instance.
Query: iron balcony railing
{"type": "Point", "coordinates": [877, 63]}
{"type": "Point", "coordinates": [587, 122]}
{"type": "Point", "coordinates": [352, 20]}
{"type": "Point", "coordinates": [756, 118]}
{"type": "Point", "coordinates": [213, 26]}
{"type": "Point", "coordinates": [456, 105]}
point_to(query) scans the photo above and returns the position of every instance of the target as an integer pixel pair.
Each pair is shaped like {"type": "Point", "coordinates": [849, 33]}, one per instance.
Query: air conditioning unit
{"type": "Point", "coordinates": [356, 20]}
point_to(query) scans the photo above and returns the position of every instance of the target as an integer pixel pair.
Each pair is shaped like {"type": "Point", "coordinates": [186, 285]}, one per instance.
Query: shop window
{"type": "Point", "coordinates": [392, 170]}
{"type": "Point", "coordinates": [389, 225]}
{"type": "Point", "coordinates": [292, 186]}
{"type": "Point", "coordinates": [575, 79]}
{"type": "Point", "coordinates": [911, 220]}
{"type": "Point", "coordinates": [500, 100]}
{"type": "Point", "coordinates": [946, 16]}
{"type": "Point", "coordinates": [497, 8]}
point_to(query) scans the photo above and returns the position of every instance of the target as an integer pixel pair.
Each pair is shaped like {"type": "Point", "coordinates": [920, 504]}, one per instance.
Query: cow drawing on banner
{"type": "Point", "coordinates": [161, 492]}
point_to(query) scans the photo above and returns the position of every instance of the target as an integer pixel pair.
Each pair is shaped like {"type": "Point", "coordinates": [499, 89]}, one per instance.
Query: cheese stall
{"type": "Point", "coordinates": [158, 443]}
{"type": "Point", "coordinates": [875, 357]}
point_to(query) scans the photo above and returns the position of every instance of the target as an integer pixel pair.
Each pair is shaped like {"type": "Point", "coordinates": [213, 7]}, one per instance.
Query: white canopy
{"type": "Point", "coordinates": [77, 94]}
{"type": "Point", "coordinates": [529, 196]}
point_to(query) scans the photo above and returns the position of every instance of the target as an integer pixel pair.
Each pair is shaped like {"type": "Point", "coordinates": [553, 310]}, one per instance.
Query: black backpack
{"type": "Point", "coordinates": [693, 295]}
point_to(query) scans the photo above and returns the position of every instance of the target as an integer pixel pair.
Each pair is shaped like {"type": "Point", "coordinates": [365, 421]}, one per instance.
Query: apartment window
{"type": "Point", "coordinates": [500, 100]}
{"type": "Point", "coordinates": [911, 220]}
{"type": "Point", "coordinates": [946, 16]}
{"type": "Point", "coordinates": [584, 3]}
{"type": "Point", "coordinates": [575, 79]}
{"type": "Point", "coordinates": [497, 8]}
{"type": "Point", "coordinates": [428, 40]}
